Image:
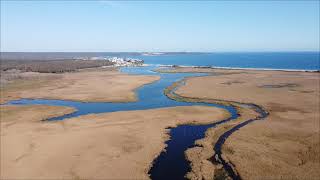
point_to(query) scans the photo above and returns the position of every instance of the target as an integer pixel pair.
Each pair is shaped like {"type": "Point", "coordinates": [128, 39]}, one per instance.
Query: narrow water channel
{"type": "Point", "coordinates": [171, 164]}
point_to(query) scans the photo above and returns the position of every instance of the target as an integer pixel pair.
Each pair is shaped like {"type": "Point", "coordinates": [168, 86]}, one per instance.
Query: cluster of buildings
{"type": "Point", "coordinates": [118, 61]}
{"type": "Point", "coordinates": [125, 61]}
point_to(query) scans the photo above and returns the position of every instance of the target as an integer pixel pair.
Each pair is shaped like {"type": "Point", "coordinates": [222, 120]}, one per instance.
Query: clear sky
{"type": "Point", "coordinates": [159, 26]}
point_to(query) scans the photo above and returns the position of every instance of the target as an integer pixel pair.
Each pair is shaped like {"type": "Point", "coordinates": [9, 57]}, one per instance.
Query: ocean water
{"type": "Point", "coordinates": [264, 60]}
{"type": "Point", "coordinates": [283, 60]}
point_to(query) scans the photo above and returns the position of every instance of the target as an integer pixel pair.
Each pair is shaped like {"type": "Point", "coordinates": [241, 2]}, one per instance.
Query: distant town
{"type": "Point", "coordinates": [117, 61]}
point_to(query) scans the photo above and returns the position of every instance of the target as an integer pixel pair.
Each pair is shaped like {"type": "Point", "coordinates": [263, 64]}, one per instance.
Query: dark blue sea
{"type": "Point", "coordinates": [283, 60]}
{"type": "Point", "coordinates": [263, 60]}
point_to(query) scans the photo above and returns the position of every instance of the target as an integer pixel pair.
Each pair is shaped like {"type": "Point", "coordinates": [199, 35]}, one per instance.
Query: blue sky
{"type": "Point", "coordinates": [159, 26]}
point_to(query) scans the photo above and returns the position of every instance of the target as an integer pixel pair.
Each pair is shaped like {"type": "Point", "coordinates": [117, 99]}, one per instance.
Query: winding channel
{"type": "Point", "coordinates": [171, 163]}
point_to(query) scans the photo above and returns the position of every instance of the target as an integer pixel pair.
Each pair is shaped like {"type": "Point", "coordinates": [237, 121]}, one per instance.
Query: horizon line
{"type": "Point", "coordinates": [156, 51]}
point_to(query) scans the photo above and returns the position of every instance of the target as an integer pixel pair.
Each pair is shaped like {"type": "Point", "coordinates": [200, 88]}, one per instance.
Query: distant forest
{"type": "Point", "coordinates": [51, 66]}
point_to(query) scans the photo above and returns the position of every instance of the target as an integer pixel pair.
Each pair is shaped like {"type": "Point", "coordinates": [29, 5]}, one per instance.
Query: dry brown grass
{"type": "Point", "coordinates": [286, 144]}
{"type": "Point", "coordinates": [98, 85]}
{"type": "Point", "coordinates": [31, 113]}
{"type": "Point", "coordinates": [201, 157]}
{"type": "Point", "coordinates": [119, 145]}
{"type": "Point", "coordinates": [51, 66]}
